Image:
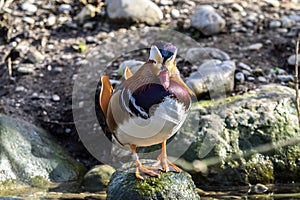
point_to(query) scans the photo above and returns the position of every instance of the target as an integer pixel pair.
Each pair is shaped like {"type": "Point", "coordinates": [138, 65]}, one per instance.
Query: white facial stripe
{"type": "Point", "coordinates": [155, 54]}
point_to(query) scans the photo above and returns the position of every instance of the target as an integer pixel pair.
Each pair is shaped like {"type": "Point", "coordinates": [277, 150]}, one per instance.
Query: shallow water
{"type": "Point", "coordinates": [282, 192]}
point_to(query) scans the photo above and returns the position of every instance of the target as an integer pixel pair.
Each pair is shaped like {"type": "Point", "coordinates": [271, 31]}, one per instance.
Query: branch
{"type": "Point", "coordinates": [297, 79]}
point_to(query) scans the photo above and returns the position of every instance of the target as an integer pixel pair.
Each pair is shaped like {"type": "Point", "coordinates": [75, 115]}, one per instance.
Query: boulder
{"type": "Point", "coordinates": [247, 139]}
{"type": "Point", "coordinates": [207, 20]}
{"type": "Point", "coordinates": [97, 178]}
{"type": "Point", "coordinates": [137, 11]}
{"type": "Point", "coordinates": [30, 156]}
{"type": "Point", "coordinates": [124, 185]}
{"type": "Point", "coordinates": [214, 77]}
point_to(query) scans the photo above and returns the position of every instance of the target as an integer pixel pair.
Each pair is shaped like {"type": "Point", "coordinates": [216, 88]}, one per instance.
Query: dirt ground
{"type": "Point", "coordinates": [43, 96]}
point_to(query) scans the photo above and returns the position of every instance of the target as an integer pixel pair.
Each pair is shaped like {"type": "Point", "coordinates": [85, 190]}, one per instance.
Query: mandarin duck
{"type": "Point", "coordinates": [148, 107]}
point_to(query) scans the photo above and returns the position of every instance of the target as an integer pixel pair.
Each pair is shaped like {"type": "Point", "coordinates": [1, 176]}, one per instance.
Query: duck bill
{"type": "Point", "coordinates": [164, 79]}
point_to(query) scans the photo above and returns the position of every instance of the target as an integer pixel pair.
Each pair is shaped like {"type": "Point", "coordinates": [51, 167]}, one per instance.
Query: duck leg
{"type": "Point", "coordinates": [146, 170]}
{"type": "Point", "coordinates": [164, 162]}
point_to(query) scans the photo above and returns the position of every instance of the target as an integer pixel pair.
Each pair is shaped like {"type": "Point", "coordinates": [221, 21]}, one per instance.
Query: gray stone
{"type": "Point", "coordinates": [34, 55]}
{"type": "Point", "coordinates": [287, 22]}
{"type": "Point", "coordinates": [133, 65]}
{"type": "Point", "coordinates": [247, 139]}
{"type": "Point", "coordinates": [207, 20]}
{"type": "Point", "coordinates": [255, 46]}
{"type": "Point", "coordinates": [262, 79]}
{"type": "Point", "coordinates": [213, 77]}
{"type": "Point", "coordinates": [244, 66]}
{"type": "Point", "coordinates": [138, 11]}
{"type": "Point", "coordinates": [285, 78]}
{"type": "Point", "coordinates": [51, 20]}
{"type": "Point", "coordinates": [274, 24]}
{"type": "Point", "coordinates": [199, 55]}
{"type": "Point", "coordinates": [55, 97]}
{"type": "Point", "coordinates": [87, 12]}
{"type": "Point", "coordinates": [124, 185]}
{"type": "Point", "coordinates": [29, 7]}
{"type": "Point", "coordinates": [274, 3]}
{"type": "Point", "coordinates": [295, 17]}
{"type": "Point", "coordinates": [30, 156]}
{"type": "Point", "coordinates": [292, 60]}
{"type": "Point", "coordinates": [175, 13]}
{"type": "Point", "coordinates": [65, 8]}
{"type": "Point", "coordinates": [240, 77]}
{"type": "Point", "coordinates": [97, 178]}
{"type": "Point", "coordinates": [26, 68]}
{"type": "Point", "coordinates": [237, 7]}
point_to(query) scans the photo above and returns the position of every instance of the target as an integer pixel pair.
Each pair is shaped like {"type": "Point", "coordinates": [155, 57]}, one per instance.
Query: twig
{"type": "Point", "coordinates": [297, 79]}
{"type": "Point", "coordinates": [9, 67]}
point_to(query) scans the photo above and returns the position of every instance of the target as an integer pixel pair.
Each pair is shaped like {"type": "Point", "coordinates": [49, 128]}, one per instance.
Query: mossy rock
{"type": "Point", "coordinates": [97, 178]}
{"type": "Point", "coordinates": [31, 157]}
{"type": "Point", "coordinates": [125, 186]}
{"type": "Point", "coordinates": [246, 139]}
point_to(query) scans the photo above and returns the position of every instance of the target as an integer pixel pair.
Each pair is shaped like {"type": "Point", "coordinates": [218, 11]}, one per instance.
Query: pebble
{"type": "Point", "coordinates": [287, 22]}
{"type": "Point", "coordinates": [295, 17]}
{"type": "Point", "coordinates": [175, 13]}
{"type": "Point", "coordinates": [26, 68]}
{"type": "Point", "coordinates": [255, 46]}
{"type": "Point", "coordinates": [29, 20]}
{"type": "Point", "coordinates": [51, 20]}
{"type": "Point", "coordinates": [237, 7]}
{"type": "Point", "coordinates": [138, 11]}
{"type": "Point", "coordinates": [262, 79]}
{"type": "Point", "coordinates": [244, 66]}
{"type": "Point", "coordinates": [207, 20]}
{"type": "Point", "coordinates": [274, 24]}
{"type": "Point", "coordinates": [240, 77]}
{"type": "Point", "coordinates": [250, 78]}
{"type": "Point", "coordinates": [20, 89]}
{"type": "Point", "coordinates": [34, 55]}
{"type": "Point", "coordinates": [55, 97]}
{"type": "Point", "coordinates": [292, 60]}
{"type": "Point", "coordinates": [166, 2]}
{"type": "Point", "coordinates": [29, 7]}
{"type": "Point", "coordinates": [87, 12]}
{"type": "Point", "coordinates": [285, 78]}
{"type": "Point", "coordinates": [274, 3]}
{"type": "Point", "coordinates": [65, 8]}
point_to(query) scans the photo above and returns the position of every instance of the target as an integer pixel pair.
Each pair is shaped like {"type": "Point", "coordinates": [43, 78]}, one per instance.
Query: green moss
{"type": "Point", "coordinates": [39, 181]}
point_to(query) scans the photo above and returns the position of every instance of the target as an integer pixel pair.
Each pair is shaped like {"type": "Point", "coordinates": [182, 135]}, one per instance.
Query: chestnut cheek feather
{"type": "Point", "coordinates": [164, 79]}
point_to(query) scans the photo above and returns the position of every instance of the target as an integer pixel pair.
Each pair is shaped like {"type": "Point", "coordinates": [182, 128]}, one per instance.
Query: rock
{"type": "Point", "coordinates": [274, 24]}
{"type": "Point", "coordinates": [213, 77]}
{"type": "Point", "coordinates": [29, 20]}
{"type": "Point", "coordinates": [247, 139]}
{"type": "Point", "coordinates": [65, 8]}
{"type": "Point", "coordinates": [255, 46]}
{"type": "Point", "coordinates": [29, 7]}
{"type": "Point", "coordinates": [295, 17]}
{"type": "Point", "coordinates": [244, 66]}
{"type": "Point", "coordinates": [133, 65]}
{"type": "Point", "coordinates": [30, 156]}
{"type": "Point", "coordinates": [97, 178]}
{"type": "Point", "coordinates": [34, 55]}
{"type": "Point", "coordinates": [292, 60]}
{"type": "Point", "coordinates": [287, 22]}
{"type": "Point", "coordinates": [51, 20]}
{"type": "Point", "coordinates": [285, 78]}
{"type": "Point", "coordinates": [166, 2]}
{"type": "Point", "coordinates": [237, 7]}
{"type": "Point", "coordinates": [26, 68]}
{"type": "Point", "coordinates": [124, 185]}
{"type": "Point", "coordinates": [175, 13]}
{"type": "Point", "coordinates": [199, 55]}
{"type": "Point", "coordinates": [55, 97]}
{"type": "Point", "coordinates": [262, 79]}
{"type": "Point", "coordinates": [240, 77]}
{"type": "Point", "coordinates": [207, 20]}
{"type": "Point", "coordinates": [138, 11]}
{"type": "Point", "coordinates": [87, 12]}
{"type": "Point", "coordinates": [274, 3]}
